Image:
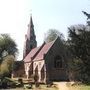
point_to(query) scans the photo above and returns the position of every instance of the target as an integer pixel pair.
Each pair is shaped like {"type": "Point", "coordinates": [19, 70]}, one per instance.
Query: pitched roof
{"type": "Point", "coordinates": [39, 52]}
{"type": "Point", "coordinates": [44, 50]}
{"type": "Point", "coordinates": [28, 58]}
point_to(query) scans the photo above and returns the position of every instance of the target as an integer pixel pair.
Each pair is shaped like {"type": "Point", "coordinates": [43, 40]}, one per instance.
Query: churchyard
{"type": "Point", "coordinates": [23, 84]}
{"type": "Point", "coordinates": [58, 64]}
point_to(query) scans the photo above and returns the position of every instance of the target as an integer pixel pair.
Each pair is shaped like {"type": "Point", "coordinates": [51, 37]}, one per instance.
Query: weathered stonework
{"type": "Point", "coordinates": [30, 39]}
{"type": "Point", "coordinates": [48, 61]}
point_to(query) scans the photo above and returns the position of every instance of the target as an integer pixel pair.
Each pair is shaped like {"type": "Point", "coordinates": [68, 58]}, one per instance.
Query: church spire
{"type": "Point", "coordinates": [31, 21]}
{"type": "Point", "coordinates": [30, 27]}
{"type": "Point", "coordinates": [30, 39]}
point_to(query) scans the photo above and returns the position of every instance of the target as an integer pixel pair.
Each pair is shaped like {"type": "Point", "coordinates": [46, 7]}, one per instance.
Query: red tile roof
{"type": "Point", "coordinates": [44, 50]}
{"type": "Point", "coordinates": [31, 54]}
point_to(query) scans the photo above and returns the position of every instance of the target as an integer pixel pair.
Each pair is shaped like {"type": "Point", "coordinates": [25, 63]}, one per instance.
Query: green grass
{"type": "Point", "coordinates": [80, 87]}
{"type": "Point", "coordinates": [43, 87]}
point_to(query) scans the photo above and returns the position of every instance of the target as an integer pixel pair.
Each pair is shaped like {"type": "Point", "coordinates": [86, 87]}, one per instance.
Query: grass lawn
{"type": "Point", "coordinates": [80, 87]}
{"type": "Point", "coordinates": [77, 87]}
{"type": "Point", "coordinates": [68, 86]}
{"type": "Point", "coordinates": [43, 87]}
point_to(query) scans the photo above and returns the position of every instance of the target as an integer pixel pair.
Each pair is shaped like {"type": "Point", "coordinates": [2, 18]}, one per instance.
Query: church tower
{"type": "Point", "coordinates": [30, 39]}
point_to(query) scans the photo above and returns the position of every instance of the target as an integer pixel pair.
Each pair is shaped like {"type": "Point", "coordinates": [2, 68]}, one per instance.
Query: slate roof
{"type": "Point", "coordinates": [39, 51]}
{"type": "Point", "coordinates": [44, 51]}
{"type": "Point", "coordinates": [31, 54]}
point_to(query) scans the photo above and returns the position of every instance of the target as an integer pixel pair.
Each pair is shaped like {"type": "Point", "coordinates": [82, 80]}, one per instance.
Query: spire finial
{"type": "Point", "coordinates": [30, 12]}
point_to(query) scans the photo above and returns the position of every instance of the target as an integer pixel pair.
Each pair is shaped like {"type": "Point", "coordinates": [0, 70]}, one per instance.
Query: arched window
{"type": "Point", "coordinates": [58, 62]}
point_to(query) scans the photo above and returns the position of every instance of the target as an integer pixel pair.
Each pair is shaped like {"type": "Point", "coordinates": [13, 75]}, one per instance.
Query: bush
{"type": "Point", "coordinates": [20, 81]}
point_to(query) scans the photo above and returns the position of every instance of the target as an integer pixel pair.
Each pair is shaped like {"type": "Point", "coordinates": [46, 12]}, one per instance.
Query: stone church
{"type": "Point", "coordinates": [48, 61]}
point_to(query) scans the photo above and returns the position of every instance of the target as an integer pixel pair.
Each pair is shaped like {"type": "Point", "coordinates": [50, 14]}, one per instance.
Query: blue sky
{"type": "Point", "coordinates": [57, 14]}
{"type": "Point", "coordinates": [47, 14]}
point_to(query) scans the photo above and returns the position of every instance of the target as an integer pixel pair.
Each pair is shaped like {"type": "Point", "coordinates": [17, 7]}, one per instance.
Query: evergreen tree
{"type": "Point", "coordinates": [79, 45]}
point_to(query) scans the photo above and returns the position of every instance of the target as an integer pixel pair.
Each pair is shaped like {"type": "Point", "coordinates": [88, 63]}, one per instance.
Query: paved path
{"type": "Point", "coordinates": [62, 85]}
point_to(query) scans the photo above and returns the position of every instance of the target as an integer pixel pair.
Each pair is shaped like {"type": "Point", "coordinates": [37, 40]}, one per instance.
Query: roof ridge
{"type": "Point", "coordinates": [44, 52]}
{"type": "Point", "coordinates": [38, 51]}
{"type": "Point", "coordinates": [53, 42]}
